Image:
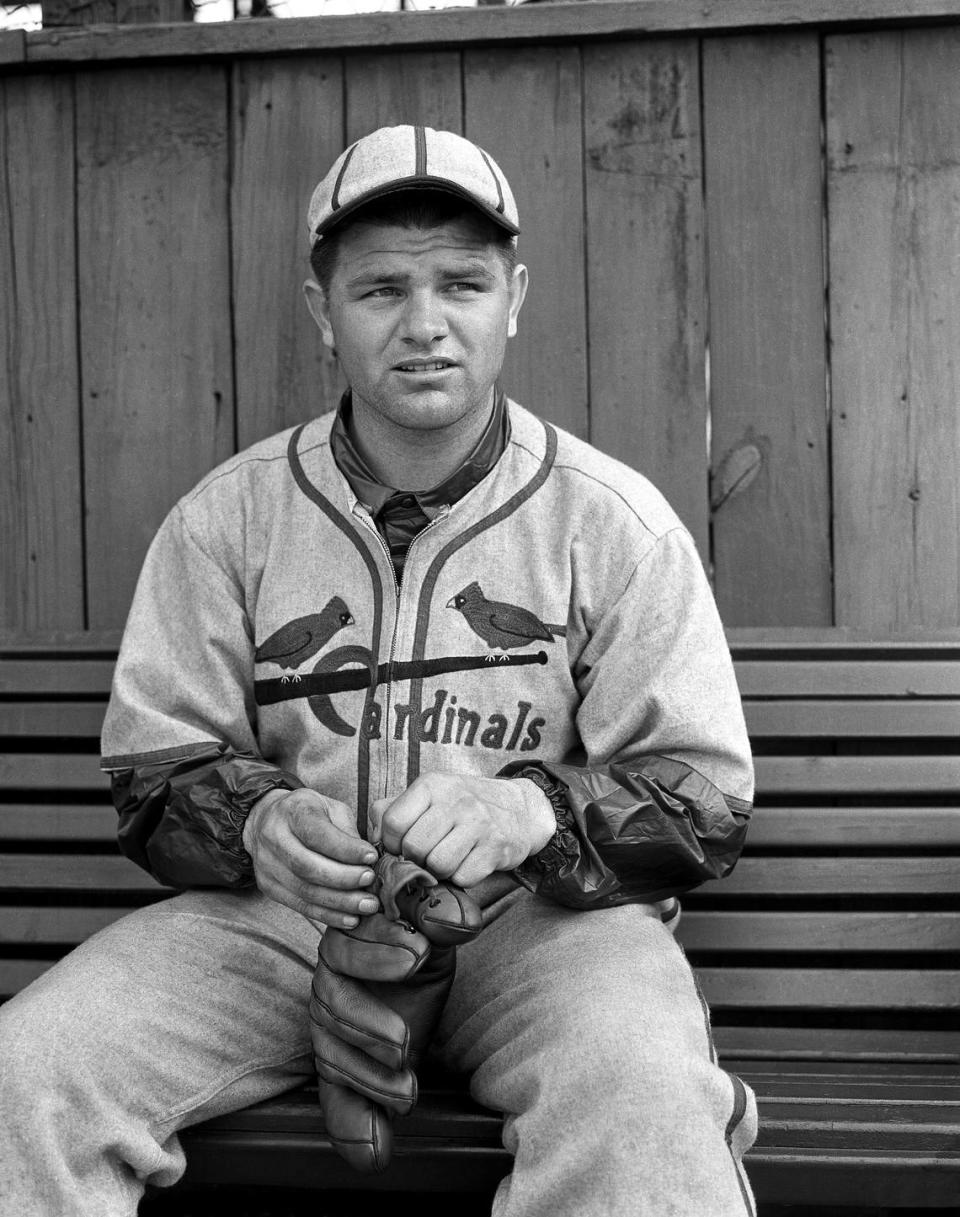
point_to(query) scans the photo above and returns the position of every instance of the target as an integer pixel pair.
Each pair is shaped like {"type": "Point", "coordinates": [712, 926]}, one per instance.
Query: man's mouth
{"type": "Point", "coordinates": [424, 365]}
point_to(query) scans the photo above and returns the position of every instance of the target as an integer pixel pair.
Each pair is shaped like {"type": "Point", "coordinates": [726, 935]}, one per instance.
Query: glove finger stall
{"type": "Point", "coordinates": [344, 1065]}
{"type": "Point", "coordinates": [356, 1015]}
{"type": "Point", "coordinates": [360, 1130]}
{"type": "Point", "coordinates": [377, 949]}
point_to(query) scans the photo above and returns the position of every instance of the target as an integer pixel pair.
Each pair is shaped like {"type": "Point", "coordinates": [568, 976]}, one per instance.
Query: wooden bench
{"type": "Point", "coordinates": [829, 957]}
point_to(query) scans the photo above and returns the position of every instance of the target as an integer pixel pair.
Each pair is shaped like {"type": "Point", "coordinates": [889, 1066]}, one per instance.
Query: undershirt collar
{"type": "Point", "coordinates": [375, 495]}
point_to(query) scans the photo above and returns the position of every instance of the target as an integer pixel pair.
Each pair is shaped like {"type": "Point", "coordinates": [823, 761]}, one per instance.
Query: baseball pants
{"type": "Point", "coordinates": [584, 1028]}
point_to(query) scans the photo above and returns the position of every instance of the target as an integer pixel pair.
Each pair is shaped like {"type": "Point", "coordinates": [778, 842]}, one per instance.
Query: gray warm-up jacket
{"type": "Point", "coordinates": [558, 614]}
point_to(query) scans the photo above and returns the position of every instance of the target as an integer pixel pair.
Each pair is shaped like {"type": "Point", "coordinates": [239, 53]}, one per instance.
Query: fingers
{"type": "Point", "coordinates": [377, 949]}
{"type": "Point", "coordinates": [360, 1130]}
{"type": "Point", "coordinates": [395, 818]}
{"type": "Point", "coordinates": [342, 1064]}
{"type": "Point", "coordinates": [349, 1010]}
{"type": "Point", "coordinates": [304, 860]}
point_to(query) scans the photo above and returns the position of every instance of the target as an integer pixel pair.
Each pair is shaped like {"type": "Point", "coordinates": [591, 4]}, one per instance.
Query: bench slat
{"type": "Point", "coordinates": [74, 872]}
{"type": "Point", "coordinates": [858, 775]}
{"type": "Point", "coordinates": [44, 676]}
{"type": "Point", "coordinates": [776, 775]}
{"type": "Point", "coordinates": [830, 988]}
{"type": "Point", "coordinates": [778, 933]}
{"type": "Point", "coordinates": [61, 718]}
{"type": "Point", "coordinates": [764, 876]}
{"type": "Point", "coordinates": [765, 719]}
{"type": "Point", "coordinates": [826, 827]}
{"type": "Point", "coordinates": [781, 933]}
{"type": "Point", "coordinates": [58, 822]}
{"type": "Point", "coordinates": [854, 1045]}
{"type": "Point", "coordinates": [803, 876]}
{"type": "Point", "coordinates": [810, 827]}
{"type": "Point", "coordinates": [900, 718]}
{"type": "Point", "coordinates": [907, 677]}
{"type": "Point", "coordinates": [52, 771]}
{"type": "Point", "coordinates": [55, 925]}
{"type": "Point", "coordinates": [16, 974]}
{"type": "Point", "coordinates": [844, 678]}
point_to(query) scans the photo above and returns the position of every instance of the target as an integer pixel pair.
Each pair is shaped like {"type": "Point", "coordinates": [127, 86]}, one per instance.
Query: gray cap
{"type": "Point", "coordinates": [411, 158]}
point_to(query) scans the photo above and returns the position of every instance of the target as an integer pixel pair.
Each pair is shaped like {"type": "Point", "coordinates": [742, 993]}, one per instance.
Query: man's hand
{"type": "Point", "coordinates": [308, 855]}
{"type": "Point", "coordinates": [465, 828]}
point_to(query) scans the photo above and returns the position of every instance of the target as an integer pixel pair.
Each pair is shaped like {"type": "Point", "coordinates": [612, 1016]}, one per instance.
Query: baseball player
{"type": "Point", "coordinates": [440, 689]}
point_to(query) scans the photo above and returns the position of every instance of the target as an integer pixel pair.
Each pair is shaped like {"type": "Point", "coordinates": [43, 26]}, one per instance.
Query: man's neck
{"type": "Point", "coordinates": [410, 459]}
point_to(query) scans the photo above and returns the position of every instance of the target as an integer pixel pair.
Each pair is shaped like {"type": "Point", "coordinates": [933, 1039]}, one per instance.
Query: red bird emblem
{"type": "Point", "coordinates": [503, 627]}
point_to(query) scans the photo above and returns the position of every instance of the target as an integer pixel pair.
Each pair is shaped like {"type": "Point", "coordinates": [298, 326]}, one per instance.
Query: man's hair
{"type": "Point", "coordinates": [410, 209]}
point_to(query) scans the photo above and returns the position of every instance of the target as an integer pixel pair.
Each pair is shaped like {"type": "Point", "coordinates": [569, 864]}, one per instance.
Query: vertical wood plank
{"type": "Point", "coordinates": [769, 435]}
{"type": "Point", "coordinates": [388, 90]}
{"type": "Point", "coordinates": [287, 130]}
{"type": "Point", "coordinates": [894, 186]}
{"type": "Point", "coordinates": [525, 108]}
{"type": "Point", "coordinates": [153, 233]}
{"type": "Point", "coordinates": [41, 542]}
{"type": "Point", "coordinates": [645, 265]}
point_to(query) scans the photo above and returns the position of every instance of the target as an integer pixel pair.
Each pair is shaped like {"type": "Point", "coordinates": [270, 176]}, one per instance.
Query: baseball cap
{"type": "Point", "coordinates": [411, 158]}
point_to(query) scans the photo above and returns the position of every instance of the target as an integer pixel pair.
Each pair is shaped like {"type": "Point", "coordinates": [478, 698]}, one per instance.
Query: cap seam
{"type": "Point", "coordinates": [335, 198]}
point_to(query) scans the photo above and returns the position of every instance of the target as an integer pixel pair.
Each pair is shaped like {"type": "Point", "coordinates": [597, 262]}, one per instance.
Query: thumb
{"type": "Point", "coordinates": [378, 809]}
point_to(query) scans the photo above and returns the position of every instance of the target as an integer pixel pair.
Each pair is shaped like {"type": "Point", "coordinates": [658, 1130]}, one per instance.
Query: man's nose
{"type": "Point", "coordinates": [424, 318]}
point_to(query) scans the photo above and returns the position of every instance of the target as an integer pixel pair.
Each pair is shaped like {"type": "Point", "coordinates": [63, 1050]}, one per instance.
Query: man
{"type": "Point", "coordinates": [516, 678]}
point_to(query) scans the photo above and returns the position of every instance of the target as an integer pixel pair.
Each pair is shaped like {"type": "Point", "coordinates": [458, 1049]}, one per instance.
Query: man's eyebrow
{"type": "Point", "coordinates": [468, 270]}
{"type": "Point", "coordinates": [374, 274]}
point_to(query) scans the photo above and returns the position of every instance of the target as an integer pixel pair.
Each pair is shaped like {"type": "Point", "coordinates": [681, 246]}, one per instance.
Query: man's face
{"type": "Point", "coordinates": [420, 319]}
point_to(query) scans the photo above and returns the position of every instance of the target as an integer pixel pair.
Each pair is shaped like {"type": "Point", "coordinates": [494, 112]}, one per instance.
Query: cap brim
{"type": "Point", "coordinates": [414, 183]}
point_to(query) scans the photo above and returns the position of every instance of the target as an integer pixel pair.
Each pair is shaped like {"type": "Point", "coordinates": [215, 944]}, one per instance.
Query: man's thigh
{"type": "Point", "coordinates": [181, 1010]}
{"type": "Point", "coordinates": [542, 974]}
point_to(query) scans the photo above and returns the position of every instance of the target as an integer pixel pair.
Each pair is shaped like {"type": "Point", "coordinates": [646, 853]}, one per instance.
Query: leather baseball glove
{"type": "Point", "coordinates": [377, 995]}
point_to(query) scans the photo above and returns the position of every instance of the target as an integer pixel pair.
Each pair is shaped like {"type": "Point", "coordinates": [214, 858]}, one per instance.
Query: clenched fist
{"type": "Point", "coordinates": [464, 828]}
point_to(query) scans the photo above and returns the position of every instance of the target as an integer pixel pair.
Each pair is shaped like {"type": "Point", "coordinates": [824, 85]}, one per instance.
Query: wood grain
{"type": "Point", "coordinates": [31, 718]}
{"type": "Point", "coordinates": [55, 925]}
{"type": "Point", "coordinates": [781, 933]}
{"type": "Point", "coordinates": [790, 877]}
{"type": "Point", "coordinates": [771, 541]}
{"type": "Point", "coordinates": [525, 108]}
{"type": "Point", "coordinates": [13, 46]}
{"type": "Point", "coordinates": [59, 822]}
{"type": "Point", "coordinates": [394, 89]}
{"type": "Point", "coordinates": [904, 827]}
{"type": "Point", "coordinates": [155, 280]}
{"type": "Point", "coordinates": [830, 988]}
{"type": "Point", "coordinates": [837, 678]}
{"type": "Point", "coordinates": [894, 179]}
{"type": "Point", "coordinates": [56, 771]}
{"type": "Point", "coordinates": [645, 265]}
{"type": "Point", "coordinates": [907, 776]}
{"type": "Point", "coordinates": [287, 131]}
{"type": "Point", "coordinates": [41, 540]}
{"type": "Point", "coordinates": [768, 719]}
{"type": "Point", "coordinates": [75, 873]}
{"type": "Point", "coordinates": [457, 27]}
{"type": "Point", "coordinates": [90, 677]}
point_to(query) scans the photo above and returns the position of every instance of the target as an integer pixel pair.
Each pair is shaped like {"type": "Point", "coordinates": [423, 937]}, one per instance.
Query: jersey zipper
{"type": "Point", "coordinates": [385, 729]}
{"type": "Point", "coordinates": [388, 706]}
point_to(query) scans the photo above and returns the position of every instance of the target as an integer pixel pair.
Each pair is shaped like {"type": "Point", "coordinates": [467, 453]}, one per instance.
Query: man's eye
{"type": "Point", "coordinates": [380, 292]}
{"type": "Point", "coordinates": [466, 285]}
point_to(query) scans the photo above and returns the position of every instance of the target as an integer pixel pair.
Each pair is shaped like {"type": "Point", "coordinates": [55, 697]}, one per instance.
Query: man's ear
{"type": "Point", "coordinates": [316, 299]}
{"type": "Point", "coordinates": [518, 291]}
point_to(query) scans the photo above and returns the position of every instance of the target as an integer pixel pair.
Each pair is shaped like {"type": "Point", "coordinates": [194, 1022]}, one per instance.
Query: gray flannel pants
{"type": "Point", "coordinates": [585, 1029]}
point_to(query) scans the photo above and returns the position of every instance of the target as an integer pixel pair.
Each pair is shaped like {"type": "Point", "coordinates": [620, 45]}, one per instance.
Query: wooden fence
{"type": "Point", "coordinates": [742, 225]}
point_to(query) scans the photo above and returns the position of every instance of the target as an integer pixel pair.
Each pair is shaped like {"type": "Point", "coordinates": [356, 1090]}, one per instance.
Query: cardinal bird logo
{"type": "Point", "coordinates": [503, 627]}
{"type": "Point", "coordinates": [299, 640]}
